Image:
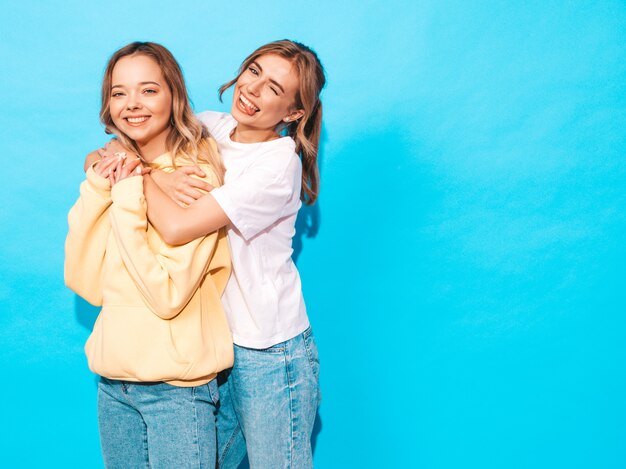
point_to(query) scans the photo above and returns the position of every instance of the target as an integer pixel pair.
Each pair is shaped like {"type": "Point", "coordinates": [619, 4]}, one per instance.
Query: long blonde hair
{"type": "Point", "coordinates": [306, 130]}
{"type": "Point", "coordinates": [188, 138]}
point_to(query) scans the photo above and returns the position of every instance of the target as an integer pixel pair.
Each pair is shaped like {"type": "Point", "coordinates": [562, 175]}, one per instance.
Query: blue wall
{"type": "Point", "coordinates": [464, 268]}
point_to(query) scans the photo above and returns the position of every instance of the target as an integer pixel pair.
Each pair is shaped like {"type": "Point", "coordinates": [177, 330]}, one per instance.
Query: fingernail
{"type": "Point", "coordinates": [138, 169]}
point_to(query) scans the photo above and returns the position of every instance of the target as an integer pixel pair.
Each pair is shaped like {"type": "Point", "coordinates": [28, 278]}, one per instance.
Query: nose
{"type": "Point", "coordinates": [254, 87]}
{"type": "Point", "coordinates": [133, 102]}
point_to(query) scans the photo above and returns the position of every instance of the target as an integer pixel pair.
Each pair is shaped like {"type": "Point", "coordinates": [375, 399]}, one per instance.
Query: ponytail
{"type": "Point", "coordinates": [306, 133]}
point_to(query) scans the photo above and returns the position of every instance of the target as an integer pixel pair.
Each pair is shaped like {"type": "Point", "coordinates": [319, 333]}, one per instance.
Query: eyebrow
{"type": "Point", "coordinates": [271, 80]}
{"type": "Point", "coordinates": [142, 83]}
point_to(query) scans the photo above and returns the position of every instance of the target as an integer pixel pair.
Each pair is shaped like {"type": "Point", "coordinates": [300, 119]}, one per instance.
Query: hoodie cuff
{"type": "Point", "coordinates": [100, 185]}
{"type": "Point", "coordinates": [130, 188]}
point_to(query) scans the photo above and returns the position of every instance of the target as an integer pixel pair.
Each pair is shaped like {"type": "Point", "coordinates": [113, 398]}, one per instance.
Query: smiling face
{"type": "Point", "coordinates": [141, 103]}
{"type": "Point", "coordinates": [265, 96]}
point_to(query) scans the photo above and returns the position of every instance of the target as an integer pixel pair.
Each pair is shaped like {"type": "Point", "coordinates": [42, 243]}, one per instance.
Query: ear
{"type": "Point", "coordinates": [293, 116]}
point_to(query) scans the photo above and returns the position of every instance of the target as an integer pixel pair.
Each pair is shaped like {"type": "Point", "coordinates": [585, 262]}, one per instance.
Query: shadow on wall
{"type": "Point", "coordinates": [307, 225]}
{"type": "Point", "coordinates": [309, 216]}
{"type": "Point", "coordinates": [86, 315]}
{"type": "Point", "coordinates": [85, 312]}
{"type": "Point", "coordinates": [317, 428]}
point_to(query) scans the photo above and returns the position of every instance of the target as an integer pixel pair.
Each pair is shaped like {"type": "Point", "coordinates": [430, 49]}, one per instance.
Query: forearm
{"type": "Point", "coordinates": [167, 277]}
{"type": "Point", "coordinates": [178, 225]}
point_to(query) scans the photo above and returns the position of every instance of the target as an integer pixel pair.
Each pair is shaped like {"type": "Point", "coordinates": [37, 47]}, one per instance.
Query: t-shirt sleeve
{"type": "Point", "coordinates": [262, 195]}
{"type": "Point", "coordinates": [211, 119]}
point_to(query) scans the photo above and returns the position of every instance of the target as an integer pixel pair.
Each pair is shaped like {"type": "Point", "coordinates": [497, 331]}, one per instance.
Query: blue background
{"type": "Point", "coordinates": [463, 270]}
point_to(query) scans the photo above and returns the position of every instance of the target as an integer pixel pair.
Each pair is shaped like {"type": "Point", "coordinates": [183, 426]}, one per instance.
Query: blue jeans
{"type": "Point", "coordinates": [157, 425]}
{"type": "Point", "coordinates": [268, 403]}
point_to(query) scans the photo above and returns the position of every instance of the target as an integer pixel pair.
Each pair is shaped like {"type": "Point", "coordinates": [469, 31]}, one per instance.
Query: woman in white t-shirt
{"type": "Point", "coordinates": [269, 143]}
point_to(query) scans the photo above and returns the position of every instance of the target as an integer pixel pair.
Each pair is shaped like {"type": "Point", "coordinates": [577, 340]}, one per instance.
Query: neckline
{"type": "Point", "coordinates": [163, 159]}
{"type": "Point", "coordinates": [232, 131]}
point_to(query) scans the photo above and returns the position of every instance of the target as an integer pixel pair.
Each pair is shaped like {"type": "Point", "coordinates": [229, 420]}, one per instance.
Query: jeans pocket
{"type": "Point", "coordinates": [312, 353]}
{"type": "Point", "coordinates": [214, 391]}
{"type": "Point", "coordinates": [273, 350]}
{"type": "Point", "coordinates": [206, 392]}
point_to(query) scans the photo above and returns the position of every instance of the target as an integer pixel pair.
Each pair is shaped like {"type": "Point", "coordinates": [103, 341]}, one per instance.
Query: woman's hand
{"type": "Point", "coordinates": [126, 168]}
{"type": "Point", "coordinates": [114, 146]}
{"type": "Point", "coordinates": [106, 165]}
{"type": "Point", "coordinates": [180, 186]}
{"type": "Point", "coordinates": [106, 158]}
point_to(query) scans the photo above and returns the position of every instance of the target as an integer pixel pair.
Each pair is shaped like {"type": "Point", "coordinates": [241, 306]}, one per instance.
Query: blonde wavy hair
{"type": "Point", "coordinates": [188, 139]}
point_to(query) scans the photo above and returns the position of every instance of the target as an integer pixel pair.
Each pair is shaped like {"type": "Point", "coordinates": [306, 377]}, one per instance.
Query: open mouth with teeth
{"type": "Point", "coordinates": [246, 105]}
{"type": "Point", "coordinates": [136, 120]}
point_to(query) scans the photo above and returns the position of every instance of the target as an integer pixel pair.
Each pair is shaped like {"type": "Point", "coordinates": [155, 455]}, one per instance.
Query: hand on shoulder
{"type": "Point", "coordinates": [181, 185]}
{"type": "Point", "coordinates": [91, 158]}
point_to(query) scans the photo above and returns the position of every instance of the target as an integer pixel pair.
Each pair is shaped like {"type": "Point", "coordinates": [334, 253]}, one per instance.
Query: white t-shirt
{"type": "Point", "coordinates": [261, 197]}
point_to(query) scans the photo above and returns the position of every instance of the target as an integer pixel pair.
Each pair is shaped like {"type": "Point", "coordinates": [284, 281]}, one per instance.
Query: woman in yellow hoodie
{"type": "Point", "coordinates": [162, 335]}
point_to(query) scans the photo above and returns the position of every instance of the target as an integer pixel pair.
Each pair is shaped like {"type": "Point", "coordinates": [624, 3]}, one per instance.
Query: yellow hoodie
{"type": "Point", "coordinates": [161, 317]}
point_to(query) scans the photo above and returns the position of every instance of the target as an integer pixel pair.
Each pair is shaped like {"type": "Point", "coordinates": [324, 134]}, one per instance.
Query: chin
{"type": "Point", "coordinates": [136, 136]}
{"type": "Point", "coordinates": [236, 112]}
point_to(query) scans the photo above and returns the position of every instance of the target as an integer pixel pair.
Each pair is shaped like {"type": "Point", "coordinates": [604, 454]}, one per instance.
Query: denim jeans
{"type": "Point", "coordinates": [157, 425]}
{"type": "Point", "coordinates": [268, 403]}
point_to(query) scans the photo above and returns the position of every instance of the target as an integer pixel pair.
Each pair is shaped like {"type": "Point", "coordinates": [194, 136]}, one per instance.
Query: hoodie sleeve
{"type": "Point", "coordinates": [167, 279]}
{"type": "Point", "coordinates": [86, 241]}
